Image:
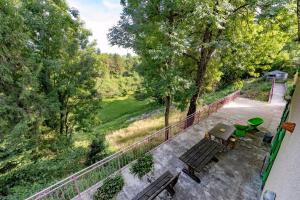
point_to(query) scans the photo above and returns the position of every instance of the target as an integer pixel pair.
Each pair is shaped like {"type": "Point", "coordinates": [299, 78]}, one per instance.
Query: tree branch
{"type": "Point", "coordinates": [239, 8]}
{"type": "Point", "coordinates": [191, 56]}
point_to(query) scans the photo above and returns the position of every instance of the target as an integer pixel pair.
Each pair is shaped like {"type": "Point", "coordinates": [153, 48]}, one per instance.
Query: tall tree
{"type": "Point", "coordinates": [18, 81]}
{"type": "Point", "coordinates": [216, 17]}
{"type": "Point", "coordinates": [221, 21]}
{"type": "Point", "coordinates": [69, 67]}
{"type": "Point", "coordinates": [148, 28]}
{"type": "Point", "coordinates": [48, 69]}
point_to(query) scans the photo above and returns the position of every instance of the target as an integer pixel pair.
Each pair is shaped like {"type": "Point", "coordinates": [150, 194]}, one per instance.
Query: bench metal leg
{"type": "Point", "coordinates": [215, 159]}
{"type": "Point", "coordinates": [170, 190]}
{"type": "Point", "coordinates": [190, 172]}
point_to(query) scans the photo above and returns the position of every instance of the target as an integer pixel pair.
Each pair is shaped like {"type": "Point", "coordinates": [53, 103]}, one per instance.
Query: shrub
{"type": "Point", "coordinates": [238, 84]}
{"type": "Point", "coordinates": [140, 94]}
{"type": "Point", "coordinates": [97, 151]}
{"type": "Point", "coordinates": [142, 166]}
{"type": "Point", "coordinates": [110, 188]}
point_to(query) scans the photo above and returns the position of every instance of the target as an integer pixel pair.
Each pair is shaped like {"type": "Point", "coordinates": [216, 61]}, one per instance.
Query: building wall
{"type": "Point", "coordinates": [284, 178]}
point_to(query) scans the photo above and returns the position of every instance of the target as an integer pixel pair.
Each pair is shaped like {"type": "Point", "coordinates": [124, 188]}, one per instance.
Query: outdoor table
{"type": "Point", "coordinates": [199, 155]}
{"type": "Point", "coordinates": [222, 132]}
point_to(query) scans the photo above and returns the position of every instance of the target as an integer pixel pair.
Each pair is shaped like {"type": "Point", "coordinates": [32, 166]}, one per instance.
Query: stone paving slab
{"type": "Point", "coordinates": [235, 176]}
{"type": "Point", "coordinates": [278, 94]}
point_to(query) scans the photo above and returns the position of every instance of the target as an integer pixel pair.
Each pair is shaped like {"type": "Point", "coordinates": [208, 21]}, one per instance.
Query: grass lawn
{"type": "Point", "coordinates": [118, 107]}
{"type": "Point", "coordinates": [141, 128]}
{"type": "Point", "coordinates": [257, 89]}
{"type": "Point", "coordinates": [118, 113]}
{"type": "Point", "coordinates": [115, 114]}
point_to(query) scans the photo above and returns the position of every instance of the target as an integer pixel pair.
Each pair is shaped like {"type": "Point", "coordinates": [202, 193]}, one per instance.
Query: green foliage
{"type": "Point", "coordinates": [119, 76]}
{"type": "Point", "coordinates": [48, 91]}
{"type": "Point", "coordinates": [97, 151]}
{"type": "Point", "coordinates": [260, 46]}
{"type": "Point", "coordinates": [52, 78]}
{"type": "Point", "coordinates": [235, 43]}
{"type": "Point", "coordinates": [211, 97]}
{"type": "Point", "coordinates": [29, 177]}
{"type": "Point", "coordinates": [142, 166]}
{"type": "Point", "coordinates": [110, 188]}
{"type": "Point", "coordinates": [48, 74]}
{"type": "Point", "coordinates": [286, 67]}
{"type": "Point", "coordinates": [163, 75]}
{"type": "Point", "coordinates": [238, 84]}
{"type": "Point", "coordinates": [290, 86]}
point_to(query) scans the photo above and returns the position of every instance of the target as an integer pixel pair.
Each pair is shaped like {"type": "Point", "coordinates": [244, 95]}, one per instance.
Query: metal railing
{"type": "Point", "coordinates": [88, 180]}
{"type": "Point", "coordinates": [272, 91]}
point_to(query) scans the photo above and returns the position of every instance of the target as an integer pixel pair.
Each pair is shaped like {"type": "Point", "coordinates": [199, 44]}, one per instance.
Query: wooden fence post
{"type": "Point", "coordinates": [166, 133]}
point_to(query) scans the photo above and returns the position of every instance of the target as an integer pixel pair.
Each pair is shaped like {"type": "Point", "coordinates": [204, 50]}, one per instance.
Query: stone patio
{"type": "Point", "coordinates": [235, 176]}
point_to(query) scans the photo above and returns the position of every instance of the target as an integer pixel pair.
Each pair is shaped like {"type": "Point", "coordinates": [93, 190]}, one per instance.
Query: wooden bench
{"type": "Point", "coordinates": [200, 155]}
{"type": "Point", "coordinates": [166, 181]}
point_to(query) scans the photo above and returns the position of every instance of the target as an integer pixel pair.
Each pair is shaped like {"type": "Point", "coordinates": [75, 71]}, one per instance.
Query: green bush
{"type": "Point", "coordinates": [110, 188]}
{"type": "Point", "coordinates": [97, 151]}
{"type": "Point", "coordinates": [238, 84]}
{"type": "Point", "coordinates": [142, 166]}
{"type": "Point", "coordinates": [140, 94]}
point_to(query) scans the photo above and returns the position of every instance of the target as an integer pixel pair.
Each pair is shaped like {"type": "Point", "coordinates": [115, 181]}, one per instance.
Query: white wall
{"type": "Point", "coordinates": [284, 178]}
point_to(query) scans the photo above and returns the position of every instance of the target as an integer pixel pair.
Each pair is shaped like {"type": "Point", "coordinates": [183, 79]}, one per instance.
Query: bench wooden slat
{"type": "Point", "coordinates": [194, 152]}
{"type": "Point", "coordinates": [209, 150]}
{"type": "Point", "coordinates": [156, 187]}
{"type": "Point", "coordinates": [152, 185]}
{"type": "Point", "coordinates": [207, 159]}
{"type": "Point", "coordinates": [201, 152]}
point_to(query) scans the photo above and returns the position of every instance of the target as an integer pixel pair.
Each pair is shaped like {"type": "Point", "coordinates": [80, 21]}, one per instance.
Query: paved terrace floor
{"type": "Point", "coordinates": [278, 94]}
{"type": "Point", "coordinates": [235, 176]}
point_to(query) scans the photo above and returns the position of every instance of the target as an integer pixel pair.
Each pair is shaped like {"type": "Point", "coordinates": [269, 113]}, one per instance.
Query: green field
{"type": "Point", "coordinates": [115, 114]}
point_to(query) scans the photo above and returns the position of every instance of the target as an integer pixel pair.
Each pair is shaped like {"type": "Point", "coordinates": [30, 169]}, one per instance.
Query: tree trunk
{"type": "Point", "coordinates": [167, 115]}
{"type": "Point", "coordinates": [61, 99]}
{"type": "Point", "coordinates": [199, 82]}
{"type": "Point", "coordinates": [66, 122]}
{"type": "Point", "coordinates": [205, 55]}
{"type": "Point", "coordinates": [298, 18]}
{"type": "Point", "coordinates": [61, 123]}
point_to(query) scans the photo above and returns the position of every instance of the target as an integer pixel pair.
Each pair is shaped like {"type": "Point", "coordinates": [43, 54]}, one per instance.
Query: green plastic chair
{"type": "Point", "coordinates": [240, 130]}
{"type": "Point", "coordinates": [255, 122]}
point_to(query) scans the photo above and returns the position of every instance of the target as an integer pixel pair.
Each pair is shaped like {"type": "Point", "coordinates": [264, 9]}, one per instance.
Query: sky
{"type": "Point", "coordinates": [99, 16]}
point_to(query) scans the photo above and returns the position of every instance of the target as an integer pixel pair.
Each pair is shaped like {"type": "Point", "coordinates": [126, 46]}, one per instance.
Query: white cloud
{"type": "Point", "coordinates": [99, 17]}
{"type": "Point", "coordinates": [111, 5]}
